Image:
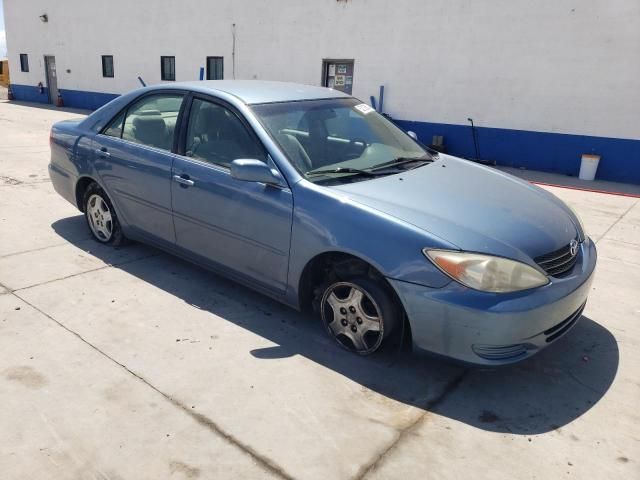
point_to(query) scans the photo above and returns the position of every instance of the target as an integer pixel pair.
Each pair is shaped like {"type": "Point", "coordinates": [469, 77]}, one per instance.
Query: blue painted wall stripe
{"type": "Point", "coordinates": [71, 98]}
{"type": "Point", "coordinates": [27, 93]}
{"type": "Point", "coordinates": [550, 152]}
{"type": "Point", "coordinates": [88, 100]}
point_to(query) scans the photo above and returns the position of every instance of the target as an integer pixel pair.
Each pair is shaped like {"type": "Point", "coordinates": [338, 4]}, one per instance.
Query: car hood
{"type": "Point", "coordinates": [476, 208]}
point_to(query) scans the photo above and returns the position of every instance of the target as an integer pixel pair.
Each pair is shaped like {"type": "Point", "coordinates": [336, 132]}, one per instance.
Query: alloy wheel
{"type": "Point", "coordinates": [100, 219]}
{"type": "Point", "coordinates": [352, 317]}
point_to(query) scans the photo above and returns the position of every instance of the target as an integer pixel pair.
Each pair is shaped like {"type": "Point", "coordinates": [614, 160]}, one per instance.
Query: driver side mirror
{"type": "Point", "coordinates": [251, 170]}
{"type": "Point", "coordinates": [413, 135]}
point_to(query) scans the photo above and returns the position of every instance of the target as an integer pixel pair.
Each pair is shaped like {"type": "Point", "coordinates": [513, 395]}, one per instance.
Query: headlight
{"type": "Point", "coordinates": [485, 272]}
{"type": "Point", "coordinates": [580, 226]}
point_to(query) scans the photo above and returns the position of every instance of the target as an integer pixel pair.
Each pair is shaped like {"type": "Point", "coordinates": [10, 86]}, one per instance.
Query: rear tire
{"type": "Point", "coordinates": [101, 216]}
{"type": "Point", "coordinates": [359, 313]}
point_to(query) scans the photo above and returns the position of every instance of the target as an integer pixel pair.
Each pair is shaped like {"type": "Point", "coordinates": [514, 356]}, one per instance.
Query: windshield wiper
{"type": "Point", "coordinates": [370, 172]}
{"type": "Point", "coordinates": [401, 161]}
{"type": "Point", "coordinates": [356, 171]}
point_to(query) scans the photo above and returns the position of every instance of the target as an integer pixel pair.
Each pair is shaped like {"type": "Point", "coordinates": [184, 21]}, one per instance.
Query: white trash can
{"type": "Point", "coordinates": [588, 167]}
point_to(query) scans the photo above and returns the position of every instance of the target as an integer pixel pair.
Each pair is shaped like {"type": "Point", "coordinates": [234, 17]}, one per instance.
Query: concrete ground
{"type": "Point", "coordinates": [132, 364]}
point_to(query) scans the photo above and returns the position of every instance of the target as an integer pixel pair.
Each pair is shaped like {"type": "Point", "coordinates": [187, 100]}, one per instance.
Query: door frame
{"type": "Point", "coordinates": [184, 126]}
{"type": "Point", "coordinates": [225, 173]}
{"type": "Point", "coordinates": [47, 77]}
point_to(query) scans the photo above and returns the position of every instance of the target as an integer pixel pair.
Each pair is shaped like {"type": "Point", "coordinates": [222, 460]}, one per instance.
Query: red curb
{"type": "Point", "coordinates": [621, 194]}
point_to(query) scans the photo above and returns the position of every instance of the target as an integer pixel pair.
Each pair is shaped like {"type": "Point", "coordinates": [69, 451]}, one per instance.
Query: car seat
{"type": "Point", "coordinates": [150, 129]}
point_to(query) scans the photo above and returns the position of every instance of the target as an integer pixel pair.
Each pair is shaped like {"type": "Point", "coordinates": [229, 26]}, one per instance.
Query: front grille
{"type": "Point", "coordinates": [561, 328]}
{"type": "Point", "coordinates": [558, 262]}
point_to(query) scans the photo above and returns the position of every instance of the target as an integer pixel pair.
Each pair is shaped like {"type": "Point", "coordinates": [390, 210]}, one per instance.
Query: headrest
{"type": "Point", "coordinates": [148, 121]}
{"type": "Point", "coordinates": [145, 113]}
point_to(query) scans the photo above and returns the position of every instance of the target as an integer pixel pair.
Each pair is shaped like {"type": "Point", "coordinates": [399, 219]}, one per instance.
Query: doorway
{"type": "Point", "coordinates": [338, 74]}
{"type": "Point", "coordinates": [52, 77]}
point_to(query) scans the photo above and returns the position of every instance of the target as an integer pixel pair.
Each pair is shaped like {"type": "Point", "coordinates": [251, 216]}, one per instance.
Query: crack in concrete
{"type": "Point", "coordinates": [585, 385]}
{"type": "Point", "coordinates": [616, 222]}
{"type": "Point", "coordinates": [43, 248]}
{"type": "Point", "coordinates": [266, 463]}
{"type": "Point", "coordinates": [109, 265]}
{"type": "Point", "coordinates": [379, 459]}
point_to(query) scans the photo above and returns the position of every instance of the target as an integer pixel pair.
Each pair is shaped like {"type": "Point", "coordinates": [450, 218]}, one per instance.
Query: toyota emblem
{"type": "Point", "coordinates": [573, 247]}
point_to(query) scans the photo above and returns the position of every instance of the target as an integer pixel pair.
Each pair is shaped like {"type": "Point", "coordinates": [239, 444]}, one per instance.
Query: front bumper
{"type": "Point", "coordinates": [494, 329]}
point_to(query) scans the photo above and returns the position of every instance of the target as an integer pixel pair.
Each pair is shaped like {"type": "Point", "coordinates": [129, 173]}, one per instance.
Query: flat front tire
{"type": "Point", "coordinates": [359, 314]}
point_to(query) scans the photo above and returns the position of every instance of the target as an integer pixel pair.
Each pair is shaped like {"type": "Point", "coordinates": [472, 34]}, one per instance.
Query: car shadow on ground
{"type": "Point", "coordinates": [538, 395]}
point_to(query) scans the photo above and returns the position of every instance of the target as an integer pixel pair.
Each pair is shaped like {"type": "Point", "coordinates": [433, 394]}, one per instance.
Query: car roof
{"type": "Point", "coordinates": [260, 91]}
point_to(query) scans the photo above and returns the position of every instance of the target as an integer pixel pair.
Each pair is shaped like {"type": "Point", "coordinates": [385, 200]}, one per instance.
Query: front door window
{"type": "Point", "coordinates": [216, 135]}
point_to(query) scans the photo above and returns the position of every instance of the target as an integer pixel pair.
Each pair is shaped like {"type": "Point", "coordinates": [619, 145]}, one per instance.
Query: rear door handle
{"type": "Point", "coordinates": [184, 180]}
{"type": "Point", "coordinates": [102, 152]}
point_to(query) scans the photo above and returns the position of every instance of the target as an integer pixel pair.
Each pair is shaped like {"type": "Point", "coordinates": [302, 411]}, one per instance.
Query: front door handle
{"type": "Point", "coordinates": [102, 152]}
{"type": "Point", "coordinates": [184, 180]}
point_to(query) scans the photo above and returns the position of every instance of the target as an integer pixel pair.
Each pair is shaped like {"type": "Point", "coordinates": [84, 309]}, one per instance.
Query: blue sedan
{"type": "Point", "coordinates": [311, 197]}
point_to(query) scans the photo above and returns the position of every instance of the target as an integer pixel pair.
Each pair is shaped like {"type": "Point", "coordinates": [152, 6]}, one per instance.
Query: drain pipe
{"type": "Point", "coordinates": [476, 144]}
{"type": "Point", "coordinates": [475, 140]}
{"type": "Point", "coordinates": [233, 50]}
{"type": "Point", "coordinates": [377, 106]}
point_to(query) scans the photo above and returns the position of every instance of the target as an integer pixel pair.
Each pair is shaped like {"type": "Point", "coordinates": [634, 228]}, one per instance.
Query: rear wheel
{"type": "Point", "coordinates": [101, 216]}
{"type": "Point", "coordinates": [359, 314]}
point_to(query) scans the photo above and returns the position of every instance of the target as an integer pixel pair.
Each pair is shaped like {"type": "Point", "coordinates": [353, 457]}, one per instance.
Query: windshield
{"type": "Point", "coordinates": [336, 138]}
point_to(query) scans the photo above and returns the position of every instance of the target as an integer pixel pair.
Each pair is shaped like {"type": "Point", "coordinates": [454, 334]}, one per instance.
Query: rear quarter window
{"type": "Point", "coordinates": [115, 127]}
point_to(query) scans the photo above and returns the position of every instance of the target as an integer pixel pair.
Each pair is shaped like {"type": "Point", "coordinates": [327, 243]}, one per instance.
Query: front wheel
{"type": "Point", "coordinates": [359, 314]}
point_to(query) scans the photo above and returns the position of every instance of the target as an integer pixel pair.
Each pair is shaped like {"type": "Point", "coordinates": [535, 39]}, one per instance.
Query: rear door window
{"type": "Point", "coordinates": [152, 120]}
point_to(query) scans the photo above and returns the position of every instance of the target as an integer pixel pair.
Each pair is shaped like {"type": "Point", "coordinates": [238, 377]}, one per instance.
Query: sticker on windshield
{"type": "Point", "coordinates": [364, 108]}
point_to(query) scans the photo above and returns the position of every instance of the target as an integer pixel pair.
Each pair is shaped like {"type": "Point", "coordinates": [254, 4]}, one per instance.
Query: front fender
{"type": "Point", "coordinates": [325, 220]}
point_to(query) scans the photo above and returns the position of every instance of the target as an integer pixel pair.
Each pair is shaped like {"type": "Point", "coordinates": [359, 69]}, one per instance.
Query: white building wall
{"type": "Point", "coordinates": [569, 66]}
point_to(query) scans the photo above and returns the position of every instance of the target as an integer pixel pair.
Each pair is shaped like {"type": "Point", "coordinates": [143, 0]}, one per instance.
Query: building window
{"type": "Point", "coordinates": [1, 67]}
{"type": "Point", "coordinates": [168, 68]}
{"type": "Point", "coordinates": [215, 68]}
{"type": "Point", "coordinates": [24, 62]}
{"type": "Point", "coordinates": [107, 66]}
